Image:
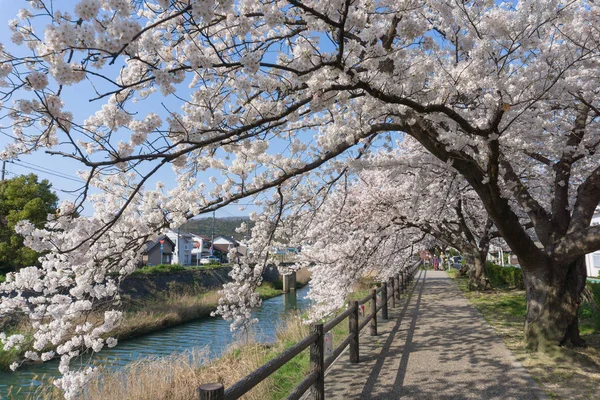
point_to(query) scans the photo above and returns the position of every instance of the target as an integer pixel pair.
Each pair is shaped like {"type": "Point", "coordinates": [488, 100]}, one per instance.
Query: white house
{"type": "Point", "coordinates": [592, 260]}
{"type": "Point", "coordinates": [189, 247]}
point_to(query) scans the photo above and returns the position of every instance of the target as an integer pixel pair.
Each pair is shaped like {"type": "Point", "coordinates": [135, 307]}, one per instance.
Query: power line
{"type": "Point", "coordinates": [49, 172]}
{"type": "Point", "coordinates": [60, 190]}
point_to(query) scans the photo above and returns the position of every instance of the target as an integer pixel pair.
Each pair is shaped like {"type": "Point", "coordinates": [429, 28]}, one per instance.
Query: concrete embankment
{"type": "Point", "coordinates": [139, 286]}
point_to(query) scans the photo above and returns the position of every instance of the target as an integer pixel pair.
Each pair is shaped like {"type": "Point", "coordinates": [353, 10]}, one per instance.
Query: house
{"type": "Point", "coordinates": [159, 251]}
{"type": "Point", "coordinates": [223, 244]}
{"type": "Point", "coordinates": [592, 260]}
{"type": "Point", "coordinates": [501, 254]}
{"type": "Point", "coordinates": [189, 247]}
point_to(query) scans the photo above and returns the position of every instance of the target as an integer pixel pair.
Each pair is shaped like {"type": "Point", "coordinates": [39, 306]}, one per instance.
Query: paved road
{"type": "Point", "coordinates": [435, 345]}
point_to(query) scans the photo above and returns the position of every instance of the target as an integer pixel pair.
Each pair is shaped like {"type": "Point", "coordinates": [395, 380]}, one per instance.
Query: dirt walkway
{"type": "Point", "coordinates": [435, 345]}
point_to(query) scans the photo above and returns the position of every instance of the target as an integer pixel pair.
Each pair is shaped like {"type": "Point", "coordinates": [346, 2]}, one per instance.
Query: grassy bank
{"type": "Point", "coordinates": [143, 317]}
{"type": "Point", "coordinates": [562, 373]}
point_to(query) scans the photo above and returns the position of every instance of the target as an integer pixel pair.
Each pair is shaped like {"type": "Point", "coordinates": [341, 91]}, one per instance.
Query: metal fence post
{"type": "Point", "coordinates": [384, 299]}
{"type": "Point", "coordinates": [316, 363]}
{"type": "Point", "coordinates": [374, 312]}
{"type": "Point", "coordinates": [211, 391]}
{"type": "Point", "coordinates": [353, 329]}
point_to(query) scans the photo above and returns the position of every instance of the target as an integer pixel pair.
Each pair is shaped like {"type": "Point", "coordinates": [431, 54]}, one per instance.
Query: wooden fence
{"type": "Point", "coordinates": [315, 381]}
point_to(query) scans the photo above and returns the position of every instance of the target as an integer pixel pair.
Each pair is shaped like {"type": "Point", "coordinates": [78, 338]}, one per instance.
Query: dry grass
{"type": "Point", "coordinates": [169, 311]}
{"type": "Point", "coordinates": [561, 372]}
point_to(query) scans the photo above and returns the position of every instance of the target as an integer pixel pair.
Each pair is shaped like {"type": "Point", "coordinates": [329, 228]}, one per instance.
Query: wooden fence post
{"type": "Point", "coordinates": [353, 330]}
{"type": "Point", "coordinates": [393, 292]}
{"type": "Point", "coordinates": [384, 294]}
{"type": "Point", "coordinates": [211, 391]}
{"type": "Point", "coordinates": [316, 363]}
{"type": "Point", "coordinates": [402, 281]}
{"type": "Point", "coordinates": [374, 312]}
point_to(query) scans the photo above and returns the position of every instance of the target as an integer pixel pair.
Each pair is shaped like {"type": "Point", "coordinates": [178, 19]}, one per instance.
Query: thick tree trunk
{"type": "Point", "coordinates": [553, 298]}
{"type": "Point", "coordinates": [478, 279]}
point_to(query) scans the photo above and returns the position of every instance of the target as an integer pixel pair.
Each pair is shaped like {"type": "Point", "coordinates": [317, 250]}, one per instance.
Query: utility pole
{"type": "Point", "coordinates": [3, 169]}
{"type": "Point", "coordinates": [213, 228]}
{"type": "Point", "coordinates": [212, 238]}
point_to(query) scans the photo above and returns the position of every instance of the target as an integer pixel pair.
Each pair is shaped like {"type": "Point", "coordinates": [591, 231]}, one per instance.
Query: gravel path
{"type": "Point", "coordinates": [436, 345]}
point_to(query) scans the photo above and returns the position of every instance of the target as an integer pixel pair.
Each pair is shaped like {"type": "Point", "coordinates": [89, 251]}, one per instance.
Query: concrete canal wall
{"type": "Point", "coordinates": [193, 280]}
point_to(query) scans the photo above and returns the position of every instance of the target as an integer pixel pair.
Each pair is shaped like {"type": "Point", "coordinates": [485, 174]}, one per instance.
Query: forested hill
{"type": "Point", "coordinates": [223, 226]}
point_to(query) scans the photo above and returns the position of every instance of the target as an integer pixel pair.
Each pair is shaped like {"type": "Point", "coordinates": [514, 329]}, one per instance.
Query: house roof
{"type": "Point", "coordinates": [228, 238]}
{"type": "Point", "coordinates": [152, 244]}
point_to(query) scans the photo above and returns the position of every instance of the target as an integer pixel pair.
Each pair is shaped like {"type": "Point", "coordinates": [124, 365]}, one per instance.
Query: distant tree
{"type": "Point", "coordinates": [22, 198]}
{"type": "Point", "coordinates": [222, 226]}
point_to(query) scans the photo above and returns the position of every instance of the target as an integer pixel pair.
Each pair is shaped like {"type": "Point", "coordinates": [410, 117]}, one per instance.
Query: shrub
{"type": "Point", "coordinates": [589, 312]}
{"type": "Point", "coordinates": [160, 269]}
{"type": "Point", "coordinates": [501, 276]}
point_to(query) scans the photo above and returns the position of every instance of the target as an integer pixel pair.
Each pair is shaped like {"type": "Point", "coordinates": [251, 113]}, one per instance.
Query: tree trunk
{"type": "Point", "coordinates": [553, 298]}
{"type": "Point", "coordinates": [478, 279]}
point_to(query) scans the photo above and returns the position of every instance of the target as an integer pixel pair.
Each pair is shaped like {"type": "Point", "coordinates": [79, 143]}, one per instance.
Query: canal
{"type": "Point", "coordinates": [210, 333]}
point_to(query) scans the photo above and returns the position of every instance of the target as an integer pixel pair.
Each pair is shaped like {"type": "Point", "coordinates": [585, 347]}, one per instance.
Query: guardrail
{"type": "Point", "coordinates": [315, 340]}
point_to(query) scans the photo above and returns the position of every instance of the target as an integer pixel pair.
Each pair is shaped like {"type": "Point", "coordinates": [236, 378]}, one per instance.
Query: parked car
{"type": "Point", "coordinates": [210, 260]}
{"type": "Point", "coordinates": [457, 262]}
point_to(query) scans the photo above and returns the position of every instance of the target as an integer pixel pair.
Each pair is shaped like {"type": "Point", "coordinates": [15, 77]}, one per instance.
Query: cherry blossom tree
{"type": "Point", "coordinates": [261, 92]}
{"type": "Point", "coordinates": [406, 196]}
{"type": "Point", "coordinates": [416, 190]}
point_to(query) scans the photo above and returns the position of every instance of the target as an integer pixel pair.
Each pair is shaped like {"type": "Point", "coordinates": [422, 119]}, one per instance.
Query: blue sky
{"type": "Point", "coordinates": [60, 171]}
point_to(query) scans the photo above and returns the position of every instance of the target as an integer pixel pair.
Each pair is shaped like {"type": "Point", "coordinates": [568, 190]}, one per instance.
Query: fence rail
{"type": "Point", "coordinates": [315, 380]}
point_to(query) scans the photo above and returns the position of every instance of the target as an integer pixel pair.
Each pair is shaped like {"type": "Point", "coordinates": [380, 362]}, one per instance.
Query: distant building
{"type": "Point", "coordinates": [159, 251]}
{"type": "Point", "coordinates": [189, 247]}
{"type": "Point", "coordinates": [223, 244]}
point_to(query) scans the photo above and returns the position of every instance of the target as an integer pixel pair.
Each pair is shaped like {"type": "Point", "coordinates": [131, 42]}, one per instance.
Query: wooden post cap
{"type": "Point", "coordinates": [209, 387]}
{"type": "Point", "coordinates": [211, 391]}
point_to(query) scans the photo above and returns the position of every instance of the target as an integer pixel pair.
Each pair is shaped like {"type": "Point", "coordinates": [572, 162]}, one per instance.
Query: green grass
{"type": "Point", "coordinates": [267, 290]}
{"type": "Point", "coordinates": [169, 268]}
{"type": "Point", "coordinates": [290, 374]}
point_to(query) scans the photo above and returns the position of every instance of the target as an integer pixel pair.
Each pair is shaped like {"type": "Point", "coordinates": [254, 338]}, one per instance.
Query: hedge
{"type": "Point", "coordinates": [500, 276]}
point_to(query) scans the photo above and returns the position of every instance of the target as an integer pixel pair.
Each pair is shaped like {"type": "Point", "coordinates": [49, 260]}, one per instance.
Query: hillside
{"type": "Point", "coordinates": [223, 226]}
